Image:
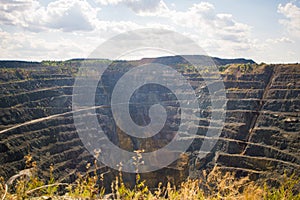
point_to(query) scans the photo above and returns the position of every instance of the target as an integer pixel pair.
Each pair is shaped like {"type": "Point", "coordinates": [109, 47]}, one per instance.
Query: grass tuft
{"type": "Point", "coordinates": [216, 185]}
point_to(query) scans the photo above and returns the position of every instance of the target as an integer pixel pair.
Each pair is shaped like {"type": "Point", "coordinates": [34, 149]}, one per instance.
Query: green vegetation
{"type": "Point", "coordinates": [240, 69]}
{"type": "Point", "coordinates": [202, 70]}
{"type": "Point", "coordinates": [246, 68]}
{"type": "Point", "coordinates": [216, 185]}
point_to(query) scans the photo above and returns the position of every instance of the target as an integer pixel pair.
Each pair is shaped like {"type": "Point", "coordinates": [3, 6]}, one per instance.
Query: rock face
{"type": "Point", "coordinates": [272, 126]}
{"type": "Point", "coordinates": [261, 133]}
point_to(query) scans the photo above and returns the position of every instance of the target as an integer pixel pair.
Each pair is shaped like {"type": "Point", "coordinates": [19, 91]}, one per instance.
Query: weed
{"type": "Point", "coordinates": [215, 185]}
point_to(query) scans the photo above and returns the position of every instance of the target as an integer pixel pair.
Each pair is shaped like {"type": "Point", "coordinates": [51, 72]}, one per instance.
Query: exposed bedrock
{"type": "Point", "coordinates": [261, 134]}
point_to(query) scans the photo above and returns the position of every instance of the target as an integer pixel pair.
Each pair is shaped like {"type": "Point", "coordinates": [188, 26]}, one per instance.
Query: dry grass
{"type": "Point", "coordinates": [215, 185]}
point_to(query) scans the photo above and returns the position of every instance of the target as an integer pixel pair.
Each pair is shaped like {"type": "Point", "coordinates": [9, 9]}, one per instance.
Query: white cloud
{"type": "Point", "coordinates": [215, 29]}
{"type": "Point", "coordinates": [148, 7]}
{"type": "Point", "coordinates": [140, 7]}
{"type": "Point", "coordinates": [71, 15]}
{"type": "Point", "coordinates": [64, 29]}
{"type": "Point", "coordinates": [215, 32]}
{"type": "Point", "coordinates": [19, 12]}
{"type": "Point", "coordinates": [280, 40]}
{"type": "Point", "coordinates": [109, 2]}
{"type": "Point", "coordinates": [292, 18]}
{"type": "Point", "coordinates": [67, 15]}
{"type": "Point", "coordinates": [39, 46]}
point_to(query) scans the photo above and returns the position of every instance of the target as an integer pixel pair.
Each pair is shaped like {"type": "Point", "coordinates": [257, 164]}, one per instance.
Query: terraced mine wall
{"type": "Point", "coordinates": [261, 135]}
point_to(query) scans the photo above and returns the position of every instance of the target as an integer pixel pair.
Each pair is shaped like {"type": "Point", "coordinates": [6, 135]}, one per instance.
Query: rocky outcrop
{"type": "Point", "coordinates": [267, 110]}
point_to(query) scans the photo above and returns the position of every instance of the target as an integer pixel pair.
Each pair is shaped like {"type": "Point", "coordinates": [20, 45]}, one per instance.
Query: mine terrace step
{"type": "Point", "coordinates": [12, 100]}
{"type": "Point", "coordinates": [30, 85]}
{"type": "Point", "coordinates": [283, 94]}
{"type": "Point", "coordinates": [254, 163]}
{"type": "Point", "coordinates": [283, 105]}
{"type": "Point", "coordinates": [56, 131]}
{"type": "Point", "coordinates": [261, 151]}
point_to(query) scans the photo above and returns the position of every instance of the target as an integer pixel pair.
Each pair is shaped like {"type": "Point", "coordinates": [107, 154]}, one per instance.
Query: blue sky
{"type": "Point", "coordinates": [263, 30]}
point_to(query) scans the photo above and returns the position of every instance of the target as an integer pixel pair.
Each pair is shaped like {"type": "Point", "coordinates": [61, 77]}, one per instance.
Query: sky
{"type": "Point", "coordinates": [263, 30]}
